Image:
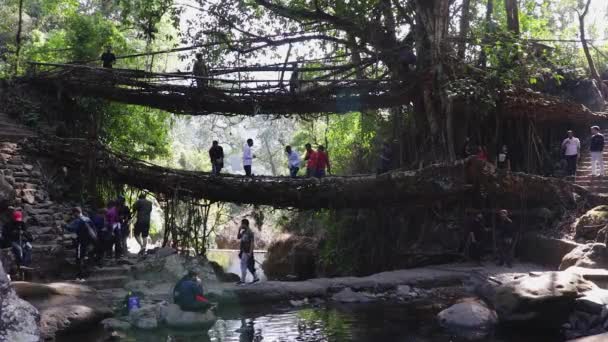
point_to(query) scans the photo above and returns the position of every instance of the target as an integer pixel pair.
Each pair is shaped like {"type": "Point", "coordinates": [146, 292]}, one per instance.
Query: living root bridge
{"type": "Point", "coordinates": [435, 183]}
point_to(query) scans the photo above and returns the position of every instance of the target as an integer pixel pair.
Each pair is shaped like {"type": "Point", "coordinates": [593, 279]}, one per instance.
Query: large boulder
{"type": "Point", "coordinates": [588, 225]}
{"type": "Point", "coordinates": [65, 319]}
{"type": "Point", "coordinates": [547, 297]}
{"type": "Point", "coordinates": [64, 307]}
{"type": "Point", "coordinates": [146, 317]}
{"type": "Point", "coordinates": [592, 255]}
{"type": "Point", "coordinates": [291, 256]}
{"type": "Point", "coordinates": [471, 319]}
{"type": "Point", "coordinates": [174, 317]}
{"type": "Point", "coordinates": [171, 268]}
{"type": "Point", "coordinates": [7, 192]}
{"type": "Point", "coordinates": [541, 250]}
{"type": "Point", "coordinates": [19, 320]}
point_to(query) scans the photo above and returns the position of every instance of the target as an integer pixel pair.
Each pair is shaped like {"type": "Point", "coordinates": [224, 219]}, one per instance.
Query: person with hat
{"type": "Point", "coordinates": [596, 147]}
{"type": "Point", "coordinates": [15, 232]}
{"type": "Point", "coordinates": [188, 293]}
{"type": "Point", "coordinates": [108, 58]}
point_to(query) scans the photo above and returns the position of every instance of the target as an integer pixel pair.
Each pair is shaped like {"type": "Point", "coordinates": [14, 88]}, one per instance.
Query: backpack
{"type": "Point", "coordinates": [90, 234]}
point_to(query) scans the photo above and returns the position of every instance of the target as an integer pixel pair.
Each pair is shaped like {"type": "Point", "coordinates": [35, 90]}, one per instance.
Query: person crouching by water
{"type": "Point", "coordinates": [246, 252]}
{"type": "Point", "coordinates": [505, 238]}
{"type": "Point", "coordinates": [188, 294]}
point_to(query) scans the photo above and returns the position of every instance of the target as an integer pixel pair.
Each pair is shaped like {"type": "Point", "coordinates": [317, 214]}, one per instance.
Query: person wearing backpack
{"type": "Point", "coordinates": [86, 236]}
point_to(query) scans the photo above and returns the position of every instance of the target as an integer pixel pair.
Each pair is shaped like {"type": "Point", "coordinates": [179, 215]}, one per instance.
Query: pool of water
{"type": "Point", "coordinates": [357, 323]}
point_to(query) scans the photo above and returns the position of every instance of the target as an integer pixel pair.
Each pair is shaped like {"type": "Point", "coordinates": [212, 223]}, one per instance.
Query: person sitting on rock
{"type": "Point", "coordinates": [188, 294]}
{"type": "Point", "coordinates": [16, 234]}
{"type": "Point", "coordinates": [86, 237]}
{"type": "Point", "coordinates": [505, 238]}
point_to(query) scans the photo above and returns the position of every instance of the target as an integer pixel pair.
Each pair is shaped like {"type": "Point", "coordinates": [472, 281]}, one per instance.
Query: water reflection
{"type": "Point", "coordinates": [367, 323]}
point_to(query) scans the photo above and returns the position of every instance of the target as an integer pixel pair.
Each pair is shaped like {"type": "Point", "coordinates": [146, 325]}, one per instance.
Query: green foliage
{"type": "Point", "coordinates": [88, 35]}
{"type": "Point", "coordinates": [136, 131]}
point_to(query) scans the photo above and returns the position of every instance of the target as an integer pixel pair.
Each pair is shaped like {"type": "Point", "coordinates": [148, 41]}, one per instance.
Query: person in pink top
{"type": "Point", "coordinates": [322, 162]}
{"type": "Point", "coordinates": [114, 227]}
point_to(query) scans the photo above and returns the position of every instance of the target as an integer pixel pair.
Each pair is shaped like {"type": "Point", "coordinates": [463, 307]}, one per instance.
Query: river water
{"type": "Point", "coordinates": [358, 323]}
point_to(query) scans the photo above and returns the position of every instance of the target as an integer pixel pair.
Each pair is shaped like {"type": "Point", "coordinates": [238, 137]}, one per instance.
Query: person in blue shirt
{"type": "Point", "coordinates": [81, 226]}
{"type": "Point", "coordinates": [188, 294]}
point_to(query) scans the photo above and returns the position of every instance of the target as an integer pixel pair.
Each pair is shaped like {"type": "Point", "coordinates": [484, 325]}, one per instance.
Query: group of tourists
{"type": "Point", "coordinates": [502, 160]}
{"type": "Point", "coordinates": [479, 237]}
{"type": "Point", "coordinates": [571, 150]}
{"type": "Point", "coordinates": [105, 234]}
{"type": "Point", "coordinates": [316, 162]}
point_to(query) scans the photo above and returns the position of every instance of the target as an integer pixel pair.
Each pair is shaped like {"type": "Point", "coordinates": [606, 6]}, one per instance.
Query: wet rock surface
{"type": "Point", "coordinates": [545, 297]}
{"type": "Point", "coordinates": [19, 320]}
{"type": "Point", "coordinates": [64, 307]}
{"type": "Point", "coordinates": [588, 225]}
{"type": "Point", "coordinates": [470, 319]}
{"type": "Point", "coordinates": [592, 255]}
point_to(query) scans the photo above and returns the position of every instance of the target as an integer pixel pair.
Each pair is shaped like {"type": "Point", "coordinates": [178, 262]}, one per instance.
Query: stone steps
{"type": "Point", "coordinates": [108, 282]}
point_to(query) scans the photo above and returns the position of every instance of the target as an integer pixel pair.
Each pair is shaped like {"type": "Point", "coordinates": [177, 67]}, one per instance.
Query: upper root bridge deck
{"type": "Point", "coordinates": [178, 93]}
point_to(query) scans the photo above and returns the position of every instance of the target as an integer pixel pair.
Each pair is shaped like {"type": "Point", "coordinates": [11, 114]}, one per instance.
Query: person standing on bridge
{"type": "Point", "coordinates": [322, 162]}
{"type": "Point", "coordinates": [293, 160]}
{"type": "Point", "coordinates": [143, 210]}
{"type": "Point", "coordinates": [294, 80]}
{"type": "Point", "coordinates": [386, 157]}
{"type": "Point", "coordinates": [199, 69]}
{"type": "Point", "coordinates": [247, 239]}
{"type": "Point", "coordinates": [216, 155]}
{"type": "Point", "coordinates": [571, 146]}
{"type": "Point", "coordinates": [596, 147]}
{"type": "Point", "coordinates": [310, 158]}
{"type": "Point", "coordinates": [108, 58]}
{"type": "Point", "coordinates": [248, 157]}
{"type": "Point", "coordinates": [503, 161]}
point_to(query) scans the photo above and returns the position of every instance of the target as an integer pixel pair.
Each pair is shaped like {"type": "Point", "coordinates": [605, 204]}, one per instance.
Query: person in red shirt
{"type": "Point", "coordinates": [481, 153]}
{"type": "Point", "coordinates": [310, 158]}
{"type": "Point", "coordinates": [322, 162]}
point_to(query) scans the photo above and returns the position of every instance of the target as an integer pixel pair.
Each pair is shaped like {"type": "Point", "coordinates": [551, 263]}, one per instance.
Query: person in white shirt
{"type": "Point", "coordinates": [571, 147]}
{"type": "Point", "coordinates": [293, 160]}
{"type": "Point", "coordinates": [248, 157]}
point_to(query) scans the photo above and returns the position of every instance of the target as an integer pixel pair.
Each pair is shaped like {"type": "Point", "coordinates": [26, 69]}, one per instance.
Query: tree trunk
{"type": "Point", "coordinates": [512, 10]}
{"type": "Point", "coordinates": [18, 37]}
{"type": "Point", "coordinates": [273, 168]}
{"type": "Point", "coordinates": [431, 33]}
{"type": "Point", "coordinates": [464, 28]}
{"type": "Point", "coordinates": [592, 69]}
{"type": "Point", "coordinates": [483, 58]}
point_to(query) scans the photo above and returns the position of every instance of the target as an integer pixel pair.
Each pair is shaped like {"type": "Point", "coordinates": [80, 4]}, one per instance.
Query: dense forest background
{"type": "Point", "coordinates": [467, 52]}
